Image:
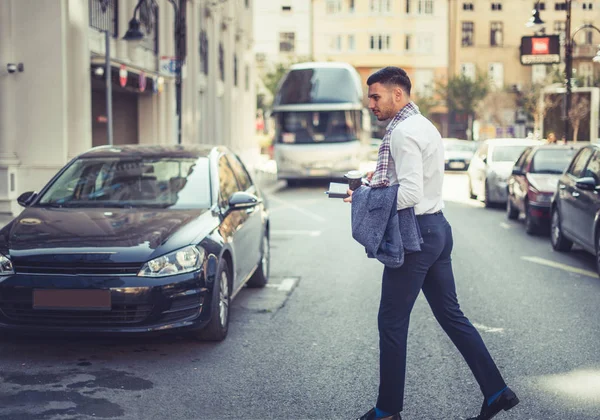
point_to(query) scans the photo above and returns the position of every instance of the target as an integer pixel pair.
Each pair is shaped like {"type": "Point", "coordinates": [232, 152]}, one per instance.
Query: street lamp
{"type": "Point", "coordinates": [134, 33]}
{"type": "Point", "coordinates": [534, 21]}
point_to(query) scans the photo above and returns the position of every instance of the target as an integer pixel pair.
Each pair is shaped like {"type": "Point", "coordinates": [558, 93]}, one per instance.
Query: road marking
{"type": "Point", "coordinates": [287, 204]}
{"type": "Point", "coordinates": [505, 225]}
{"type": "Point", "coordinates": [483, 328]}
{"type": "Point", "coordinates": [297, 232]}
{"type": "Point", "coordinates": [286, 285]}
{"type": "Point", "coordinates": [560, 266]}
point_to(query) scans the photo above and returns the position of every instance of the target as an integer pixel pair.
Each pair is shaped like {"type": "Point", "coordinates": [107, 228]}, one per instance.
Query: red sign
{"type": "Point", "coordinates": [142, 81]}
{"type": "Point", "coordinates": [123, 75]}
{"type": "Point", "coordinates": [540, 46]}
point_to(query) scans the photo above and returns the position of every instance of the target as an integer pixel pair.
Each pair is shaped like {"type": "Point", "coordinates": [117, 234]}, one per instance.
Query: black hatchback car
{"type": "Point", "coordinates": [576, 204]}
{"type": "Point", "coordinates": [135, 239]}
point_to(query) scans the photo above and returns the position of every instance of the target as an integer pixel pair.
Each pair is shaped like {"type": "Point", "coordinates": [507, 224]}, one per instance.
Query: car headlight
{"type": "Point", "coordinates": [6, 266]}
{"type": "Point", "coordinates": [185, 260]}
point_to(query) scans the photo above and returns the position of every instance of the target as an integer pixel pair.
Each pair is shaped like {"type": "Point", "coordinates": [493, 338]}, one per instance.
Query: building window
{"type": "Point", "coordinates": [247, 78]}
{"type": "Point", "coordinates": [588, 6]}
{"type": "Point", "coordinates": [379, 6]}
{"type": "Point", "coordinates": [247, 3]}
{"type": "Point", "coordinates": [468, 70]}
{"type": "Point", "coordinates": [235, 70]}
{"type": "Point", "coordinates": [538, 73]}
{"type": "Point", "coordinates": [425, 44]}
{"type": "Point", "coordinates": [408, 42]}
{"type": "Point", "coordinates": [287, 42]}
{"type": "Point", "coordinates": [496, 6]}
{"type": "Point", "coordinates": [560, 28]}
{"type": "Point", "coordinates": [380, 42]}
{"type": "Point", "coordinates": [221, 62]}
{"type": "Point", "coordinates": [588, 35]}
{"type": "Point", "coordinates": [149, 19]}
{"type": "Point", "coordinates": [104, 16]}
{"type": "Point", "coordinates": [425, 7]}
{"type": "Point", "coordinates": [496, 75]}
{"type": "Point", "coordinates": [203, 52]}
{"type": "Point", "coordinates": [586, 72]}
{"type": "Point", "coordinates": [333, 6]}
{"type": "Point", "coordinates": [351, 6]}
{"type": "Point", "coordinates": [351, 43]}
{"type": "Point", "coordinates": [408, 7]}
{"type": "Point", "coordinates": [496, 34]}
{"type": "Point", "coordinates": [423, 83]}
{"type": "Point", "coordinates": [468, 7]}
{"type": "Point", "coordinates": [286, 8]}
{"type": "Point", "coordinates": [540, 6]}
{"type": "Point", "coordinates": [336, 43]}
{"type": "Point", "coordinates": [468, 34]}
{"type": "Point", "coordinates": [560, 6]}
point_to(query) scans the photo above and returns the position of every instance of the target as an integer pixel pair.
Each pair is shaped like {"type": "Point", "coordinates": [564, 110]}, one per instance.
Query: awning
{"type": "Point", "coordinates": [130, 78]}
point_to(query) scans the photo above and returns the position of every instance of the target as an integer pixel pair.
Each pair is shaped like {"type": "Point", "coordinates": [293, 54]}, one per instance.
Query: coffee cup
{"type": "Point", "coordinates": [354, 179]}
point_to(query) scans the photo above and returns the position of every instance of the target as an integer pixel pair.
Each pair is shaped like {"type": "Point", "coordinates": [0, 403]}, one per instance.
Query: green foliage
{"type": "Point", "coordinates": [426, 104]}
{"type": "Point", "coordinates": [462, 94]}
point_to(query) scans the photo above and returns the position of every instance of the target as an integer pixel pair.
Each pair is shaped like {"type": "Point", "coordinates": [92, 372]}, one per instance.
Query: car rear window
{"type": "Point", "coordinates": [507, 153]}
{"type": "Point", "coordinates": [551, 161]}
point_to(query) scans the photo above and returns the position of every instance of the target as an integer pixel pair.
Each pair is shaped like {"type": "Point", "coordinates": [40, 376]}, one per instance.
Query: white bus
{"type": "Point", "coordinates": [322, 129]}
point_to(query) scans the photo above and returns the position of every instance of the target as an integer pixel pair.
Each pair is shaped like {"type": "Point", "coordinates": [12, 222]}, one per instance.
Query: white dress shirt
{"type": "Point", "coordinates": [417, 164]}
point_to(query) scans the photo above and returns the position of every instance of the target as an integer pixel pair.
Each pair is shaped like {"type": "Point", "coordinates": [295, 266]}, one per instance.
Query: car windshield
{"type": "Point", "coordinates": [317, 126]}
{"type": "Point", "coordinates": [178, 183]}
{"type": "Point", "coordinates": [459, 147]}
{"type": "Point", "coordinates": [549, 161]}
{"type": "Point", "coordinates": [507, 153]}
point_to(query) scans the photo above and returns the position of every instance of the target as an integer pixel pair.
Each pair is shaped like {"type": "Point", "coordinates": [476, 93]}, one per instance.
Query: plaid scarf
{"type": "Point", "coordinates": [380, 178]}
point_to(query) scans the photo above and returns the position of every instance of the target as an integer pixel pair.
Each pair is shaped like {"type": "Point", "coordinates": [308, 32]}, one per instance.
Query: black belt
{"type": "Point", "coordinates": [439, 212]}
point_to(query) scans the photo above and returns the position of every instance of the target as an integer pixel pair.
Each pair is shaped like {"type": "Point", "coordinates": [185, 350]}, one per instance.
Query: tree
{"type": "Point", "coordinates": [426, 104]}
{"type": "Point", "coordinates": [580, 108]}
{"type": "Point", "coordinates": [493, 108]}
{"type": "Point", "coordinates": [463, 94]}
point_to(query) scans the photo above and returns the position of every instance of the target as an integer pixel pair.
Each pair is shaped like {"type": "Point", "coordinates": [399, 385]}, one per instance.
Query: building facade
{"type": "Point", "coordinates": [411, 34]}
{"type": "Point", "coordinates": [485, 36]}
{"type": "Point", "coordinates": [55, 108]}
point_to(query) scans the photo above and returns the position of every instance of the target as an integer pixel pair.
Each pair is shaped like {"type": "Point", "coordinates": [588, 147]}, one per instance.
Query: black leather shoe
{"type": "Point", "coordinates": [505, 401]}
{"type": "Point", "coordinates": [370, 415]}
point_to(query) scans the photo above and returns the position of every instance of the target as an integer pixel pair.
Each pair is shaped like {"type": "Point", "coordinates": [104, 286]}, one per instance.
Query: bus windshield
{"type": "Point", "coordinates": [303, 127]}
{"type": "Point", "coordinates": [318, 86]}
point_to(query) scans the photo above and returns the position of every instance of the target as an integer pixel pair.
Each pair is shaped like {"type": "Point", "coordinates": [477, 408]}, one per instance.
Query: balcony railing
{"type": "Point", "coordinates": [585, 51]}
{"type": "Point", "coordinates": [104, 16]}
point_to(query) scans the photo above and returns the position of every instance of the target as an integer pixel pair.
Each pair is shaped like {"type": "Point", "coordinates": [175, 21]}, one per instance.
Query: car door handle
{"type": "Point", "coordinates": [575, 194]}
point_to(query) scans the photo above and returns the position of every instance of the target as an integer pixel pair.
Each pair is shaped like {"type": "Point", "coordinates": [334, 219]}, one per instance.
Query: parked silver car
{"type": "Point", "coordinates": [491, 166]}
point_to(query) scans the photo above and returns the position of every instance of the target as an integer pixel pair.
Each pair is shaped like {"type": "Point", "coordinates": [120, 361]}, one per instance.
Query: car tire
{"type": "Point", "coordinates": [260, 278]}
{"type": "Point", "coordinates": [530, 226]}
{"type": "Point", "coordinates": [471, 195]}
{"type": "Point", "coordinates": [557, 239]}
{"type": "Point", "coordinates": [511, 212]}
{"type": "Point", "coordinates": [218, 326]}
{"type": "Point", "coordinates": [486, 197]}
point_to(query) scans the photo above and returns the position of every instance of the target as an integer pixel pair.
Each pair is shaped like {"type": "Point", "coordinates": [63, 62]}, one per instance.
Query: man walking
{"type": "Point", "coordinates": [412, 155]}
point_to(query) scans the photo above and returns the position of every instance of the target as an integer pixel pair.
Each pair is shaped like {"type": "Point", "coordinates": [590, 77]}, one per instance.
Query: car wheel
{"type": "Point", "coordinates": [486, 197]}
{"type": "Point", "coordinates": [471, 195]}
{"type": "Point", "coordinates": [260, 278]}
{"type": "Point", "coordinates": [511, 212]}
{"type": "Point", "coordinates": [559, 242]}
{"type": "Point", "coordinates": [216, 329]}
{"type": "Point", "coordinates": [530, 226]}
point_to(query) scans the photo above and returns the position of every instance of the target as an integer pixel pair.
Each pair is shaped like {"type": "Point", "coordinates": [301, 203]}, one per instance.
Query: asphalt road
{"type": "Point", "coordinates": [307, 348]}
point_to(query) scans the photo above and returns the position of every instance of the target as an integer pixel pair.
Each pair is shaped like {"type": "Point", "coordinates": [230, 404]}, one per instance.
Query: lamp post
{"type": "Point", "coordinates": [134, 33]}
{"type": "Point", "coordinates": [107, 72]}
{"type": "Point", "coordinates": [536, 22]}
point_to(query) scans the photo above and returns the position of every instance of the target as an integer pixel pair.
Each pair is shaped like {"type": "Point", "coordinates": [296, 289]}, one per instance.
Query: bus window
{"type": "Point", "coordinates": [317, 126]}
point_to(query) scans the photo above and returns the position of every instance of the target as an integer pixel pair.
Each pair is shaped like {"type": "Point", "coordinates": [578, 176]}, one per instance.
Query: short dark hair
{"type": "Point", "coordinates": [391, 76]}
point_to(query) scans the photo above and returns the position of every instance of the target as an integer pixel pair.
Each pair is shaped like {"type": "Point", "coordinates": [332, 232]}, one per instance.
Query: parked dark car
{"type": "Point", "coordinates": [134, 239]}
{"type": "Point", "coordinates": [576, 204]}
{"type": "Point", "coordinates": [533, 183]}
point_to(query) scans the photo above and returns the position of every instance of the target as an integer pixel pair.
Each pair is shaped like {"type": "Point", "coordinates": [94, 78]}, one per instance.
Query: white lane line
{"type": "Point", "coordinates": [484, 328]}
{"type": "Point", "coordinates": [505, 225]}
{"type": "Point", "coordinates": [287, 284]}
{"type": "Point", "coordinates": [287, 204]}
{"type": "Point", "coordinates": [312, 233]}
{"type": "Point", "coordinates": [560, 266]}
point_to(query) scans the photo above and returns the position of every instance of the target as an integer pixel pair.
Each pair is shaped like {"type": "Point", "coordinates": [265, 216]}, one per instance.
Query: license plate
{"type": "Point", "coordinates": [83, 300]}
{"type": "Point", "coordinates": [457, 165]}
{"type": "Point", "coordinates": [317, 172]}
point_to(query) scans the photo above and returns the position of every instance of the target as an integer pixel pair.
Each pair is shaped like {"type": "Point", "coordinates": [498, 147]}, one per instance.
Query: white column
{"type": "Point", "coordinates": [79, 111]}
{"type": "Point", "coordinates": [8, 156]}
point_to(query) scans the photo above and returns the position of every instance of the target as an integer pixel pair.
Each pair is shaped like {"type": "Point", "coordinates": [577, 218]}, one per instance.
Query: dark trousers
{"type": "Point", "coordinates": [431, 271]}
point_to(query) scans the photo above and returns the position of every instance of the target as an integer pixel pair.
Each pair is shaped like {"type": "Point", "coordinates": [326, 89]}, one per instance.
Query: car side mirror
{"type": "Point", "coordinates": [243, 200]}
{"type": "Point", "coordinates": [26, 198]}
{"type": "Point", "coordinates": [586, 183]}
{"type": "Point", "coordinates": [517, 172]}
